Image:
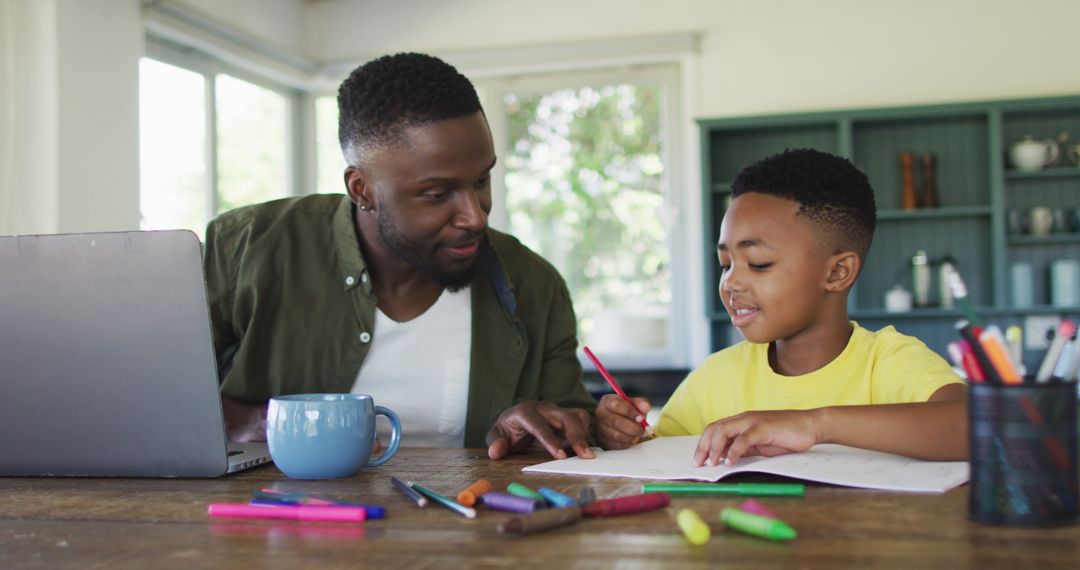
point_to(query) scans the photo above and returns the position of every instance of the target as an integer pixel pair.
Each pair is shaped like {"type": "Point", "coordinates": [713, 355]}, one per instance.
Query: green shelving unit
{"type": "Point", "coordinates": [975, 185]}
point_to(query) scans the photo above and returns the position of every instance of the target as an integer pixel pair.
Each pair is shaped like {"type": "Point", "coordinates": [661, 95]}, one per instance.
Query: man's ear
{"type": "Point", "coordinates": [360, 192]}
{"type": "Point", "coordinates": [843, 269]}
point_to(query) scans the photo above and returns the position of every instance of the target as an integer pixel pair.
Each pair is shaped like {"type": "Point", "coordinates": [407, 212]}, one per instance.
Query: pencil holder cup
{"type": "Point", "coordinates": [1023, 454]}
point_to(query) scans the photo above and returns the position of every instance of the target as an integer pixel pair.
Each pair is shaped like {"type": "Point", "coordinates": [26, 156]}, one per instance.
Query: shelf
{"type": "Point", "coordinates": [878, 314]}
{"type": "Point", "coordinates": [912, 314]}
{"type": "Point", "coordinates": [935, 313]}
{"type": "Point", "coordinates": [1056, 172]}
{"type": "Point", "coordinates": [934, 213]}
{"type": "Point", "coordinates": [1052, 239]}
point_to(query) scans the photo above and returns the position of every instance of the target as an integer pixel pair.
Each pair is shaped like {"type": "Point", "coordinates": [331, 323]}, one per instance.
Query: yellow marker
{"type": "Point", "coordinates": [693, 528]}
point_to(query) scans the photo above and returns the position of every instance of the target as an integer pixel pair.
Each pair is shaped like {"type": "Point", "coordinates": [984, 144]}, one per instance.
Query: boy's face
{"type": "Point", "coordinates": [773, 268]}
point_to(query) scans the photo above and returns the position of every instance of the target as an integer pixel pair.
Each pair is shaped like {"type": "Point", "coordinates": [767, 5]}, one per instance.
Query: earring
{"type": "Point", "coordinates": [364, 208]}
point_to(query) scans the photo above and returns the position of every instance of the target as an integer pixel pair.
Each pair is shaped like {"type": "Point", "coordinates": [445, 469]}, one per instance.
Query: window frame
{"type": "Point", "coordinates": [298, 165]}
{"type": "Point", "coordinates": [667, 76]}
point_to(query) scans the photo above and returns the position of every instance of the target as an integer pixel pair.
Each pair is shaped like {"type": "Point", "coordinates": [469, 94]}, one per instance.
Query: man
{"type": "Point", "coordinates": [399, 289]}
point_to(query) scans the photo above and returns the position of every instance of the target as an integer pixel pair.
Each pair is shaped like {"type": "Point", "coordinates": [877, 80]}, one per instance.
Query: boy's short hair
{"type": "Point", "coordinates": [384, 96]}
{"type": "Point", "coordinates": [833, 194]}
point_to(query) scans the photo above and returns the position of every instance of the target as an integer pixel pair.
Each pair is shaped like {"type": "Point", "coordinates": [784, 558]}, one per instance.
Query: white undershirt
{"type": "Point", "coordinates": [420, 370]}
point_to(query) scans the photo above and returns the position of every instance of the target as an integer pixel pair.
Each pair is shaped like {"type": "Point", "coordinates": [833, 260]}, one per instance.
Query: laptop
{"type": "Point", "coordinates": [107, 359]}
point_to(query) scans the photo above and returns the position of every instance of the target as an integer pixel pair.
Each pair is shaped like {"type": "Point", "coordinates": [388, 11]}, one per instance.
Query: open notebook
{"type": "Point", "coordinates": [670, 458]}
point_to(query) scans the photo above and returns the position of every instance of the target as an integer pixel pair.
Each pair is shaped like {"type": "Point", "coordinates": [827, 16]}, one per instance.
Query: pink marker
{"type": "Point", "coordinates": [297, 512]}
{"type": "Point", "coordinates": [755, 508]}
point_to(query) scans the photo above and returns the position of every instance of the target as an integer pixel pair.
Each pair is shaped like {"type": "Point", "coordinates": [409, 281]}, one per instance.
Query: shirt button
{"type": "Point", "coordinates": [350, 280]}
{"type": "Point", "coordinates": [365, 337]}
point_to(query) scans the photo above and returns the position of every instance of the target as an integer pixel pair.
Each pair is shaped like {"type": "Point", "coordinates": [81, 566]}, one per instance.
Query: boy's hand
{"type": "Point", "coordinates": [758, 433]}
{"type": "Point", "coordinates": [618, 424]}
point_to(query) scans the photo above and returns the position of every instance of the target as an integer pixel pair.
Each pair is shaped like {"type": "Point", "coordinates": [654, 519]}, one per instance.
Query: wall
{"type": "Point", "coordinates": [762, 56]}
{"type": "Point", "coordinates": [70, 76]}
{"type": "Point", "coordinates": [28, 129]}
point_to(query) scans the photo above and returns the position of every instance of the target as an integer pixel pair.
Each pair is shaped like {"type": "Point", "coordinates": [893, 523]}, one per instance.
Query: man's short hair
{"type": "Point", "coordinates": [834, 195]}
{"type": "Point", "coordinates": [383, 97]}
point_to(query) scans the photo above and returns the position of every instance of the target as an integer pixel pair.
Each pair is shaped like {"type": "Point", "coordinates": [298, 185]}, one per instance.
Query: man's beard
{"type": "Point", "coordinates": [414, 253]}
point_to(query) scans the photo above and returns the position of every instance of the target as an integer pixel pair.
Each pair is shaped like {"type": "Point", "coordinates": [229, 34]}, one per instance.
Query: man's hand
{"type": "Point", "coordinates": [618, 424]}
{"type": "Point", "coordinates": [243, 421]}
{"type": "Point", "coordinates": [551, 426]}
{"type": "Point", "coordinates": [758, 433]}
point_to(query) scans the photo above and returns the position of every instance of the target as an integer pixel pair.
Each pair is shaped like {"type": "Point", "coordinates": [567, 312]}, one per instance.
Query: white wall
{"type": "Point", "coordinates": [276, 22]}
{"type": "Point", "coordinates": [71, 108]}
{"type": "Point", "coordinates": [757, 56]}
{"type": "Point", "coordinates": [28, 121]}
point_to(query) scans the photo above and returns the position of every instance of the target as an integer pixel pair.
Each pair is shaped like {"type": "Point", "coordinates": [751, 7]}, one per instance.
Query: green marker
{"type": "Point", "coordinates": [744, 489]}
{"type": "Point", "coordinates": [757, 525]}
{"type": "Point", "coordinates": [523, 491]}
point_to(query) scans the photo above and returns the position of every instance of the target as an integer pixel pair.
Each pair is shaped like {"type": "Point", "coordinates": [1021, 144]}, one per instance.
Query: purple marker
{"type": "Point", "coordinates": [507, 502]}
{"type": "Point", "coordinates": [755, 508]}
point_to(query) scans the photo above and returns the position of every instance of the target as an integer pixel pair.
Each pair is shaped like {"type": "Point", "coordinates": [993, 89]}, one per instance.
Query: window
{"type": "Point", "coordinates": [586, 170]}
{"type": "Point", "coordinates": [187, 176]}
{"type": "Point", "coordinates": [172, 141]}
{"type": "Point", "coordinates": [330, 163]}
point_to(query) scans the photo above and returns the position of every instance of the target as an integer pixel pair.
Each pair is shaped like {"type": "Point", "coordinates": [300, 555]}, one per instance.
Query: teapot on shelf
{"type": "Point", "coordinates": [1030, 155]}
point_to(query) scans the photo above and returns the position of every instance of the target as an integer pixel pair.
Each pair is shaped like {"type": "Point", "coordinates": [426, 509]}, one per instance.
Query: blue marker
{"type": "Point", "coordinates": [556, 498]}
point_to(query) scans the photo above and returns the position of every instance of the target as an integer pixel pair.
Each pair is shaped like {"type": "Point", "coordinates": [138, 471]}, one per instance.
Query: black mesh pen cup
{"type": "Point", "coordinates": [1023, 454]}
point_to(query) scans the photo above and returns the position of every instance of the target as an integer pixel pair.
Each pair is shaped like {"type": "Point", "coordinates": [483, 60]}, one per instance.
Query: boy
{"type": "Point", "coordinates": [791, 246]}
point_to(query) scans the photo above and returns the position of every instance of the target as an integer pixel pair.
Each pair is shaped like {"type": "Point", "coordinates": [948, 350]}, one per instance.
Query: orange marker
{"type": "Point", "coordinates": [994, 346]}
{"type": "Point", "coordinates": [468, 496]}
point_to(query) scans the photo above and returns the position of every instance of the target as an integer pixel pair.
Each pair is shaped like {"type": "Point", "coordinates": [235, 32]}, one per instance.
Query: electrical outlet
{"type": "Point", "coordinates": [1035, 328]}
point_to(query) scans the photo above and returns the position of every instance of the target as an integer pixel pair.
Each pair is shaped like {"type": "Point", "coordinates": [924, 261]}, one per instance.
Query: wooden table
{"type": "Point", "coordinates": [162, 523]}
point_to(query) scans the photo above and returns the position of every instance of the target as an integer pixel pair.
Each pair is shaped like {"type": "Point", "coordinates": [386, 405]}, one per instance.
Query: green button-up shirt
{"type": "Point", "coordinates": [293, 312]}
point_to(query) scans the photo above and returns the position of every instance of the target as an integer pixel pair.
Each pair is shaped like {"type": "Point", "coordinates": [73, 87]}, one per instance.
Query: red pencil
{"type": "Point", "coordinates": [611, 382]}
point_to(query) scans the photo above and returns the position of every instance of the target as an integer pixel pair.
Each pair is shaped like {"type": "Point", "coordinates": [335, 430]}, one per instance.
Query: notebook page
{"type": "Point", "coordinates": [670, 458]}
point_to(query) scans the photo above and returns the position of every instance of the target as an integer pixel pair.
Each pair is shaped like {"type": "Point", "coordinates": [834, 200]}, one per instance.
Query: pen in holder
{"type": "Point", "coordinates": [1023, 454]}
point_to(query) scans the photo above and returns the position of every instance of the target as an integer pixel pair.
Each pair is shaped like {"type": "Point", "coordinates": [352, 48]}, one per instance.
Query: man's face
{"type": "Point", "coordinates": [433, 189]}
{"type": "Point", "coordinates": [773, 268]}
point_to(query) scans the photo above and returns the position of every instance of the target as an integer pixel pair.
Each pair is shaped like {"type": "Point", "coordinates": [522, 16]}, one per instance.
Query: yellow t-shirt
{"type": "Point", "coordinates": [884, 367]}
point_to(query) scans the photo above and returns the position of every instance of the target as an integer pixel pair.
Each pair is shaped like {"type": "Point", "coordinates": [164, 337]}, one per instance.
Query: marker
{"type": "Point", "coordinates": [615, 386]}
{"type": "Point", "coordinates": [295, 512]}
{"type": "Point", "coordinates": [540, 521]}
{"type": "Point", "coordinates": [523, 491]}
{"type": "Point", "coordinates": [755, 508]}
{"type": "Point", "coordinates": [972, 337]}
{"type": "Point", "coordinates": [468, 496]}
{"type": "Point", "coordinates": [511, 503]}
{"type": "Point", "coordinates": [1064, 333]}
{"type": "Point", "coordinates": [1073, 373]}
{"type": "Point", "coordinates": [745, 489]}
{"type": "Point", "coordinates": [1014, 338]}
{"type": "Point", "coordinates": [1066, 364]}
{"type": "Point", "coordinates": [409, 492]}
{"type": "Point", "coordinates": [626, 505]}
{"type": "Point", "coordinates": [772, 529]}
{"type": "Point", "coordinates": [994, 347]}
{"type": "Point", "coordinates": [444, 501]}
{"type": "Point", "coordinates": [971, 367]}
{"type": "Point", "coordinates": [273, 497]}
{"type": "Point", "coordinates": [693, 528]}
{"type": "Point", "coordinates": [556, 498]}
{"type": "Point", "coordinates": [586, 496]}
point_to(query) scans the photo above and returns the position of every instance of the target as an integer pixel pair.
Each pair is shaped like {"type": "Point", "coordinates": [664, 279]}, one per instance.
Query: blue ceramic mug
{"type": "Point", "coordinates": [326, 436]}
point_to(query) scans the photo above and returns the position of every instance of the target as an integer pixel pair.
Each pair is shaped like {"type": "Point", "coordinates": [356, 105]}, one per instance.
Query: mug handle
{"type": "Point", "coordinates": [395, 436]}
